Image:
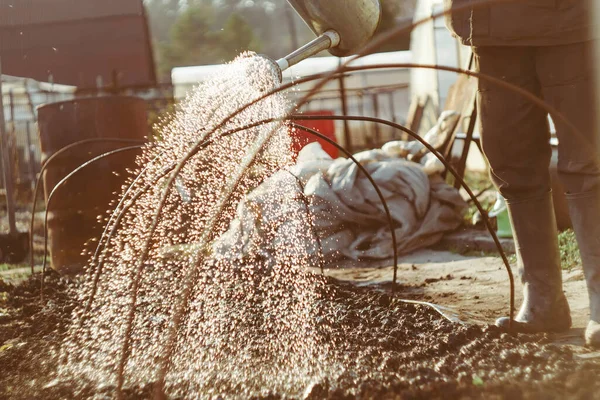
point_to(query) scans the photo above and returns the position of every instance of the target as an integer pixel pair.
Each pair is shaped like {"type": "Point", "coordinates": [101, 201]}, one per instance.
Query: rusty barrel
{"type": "Point", "coordinates": [77, 209]}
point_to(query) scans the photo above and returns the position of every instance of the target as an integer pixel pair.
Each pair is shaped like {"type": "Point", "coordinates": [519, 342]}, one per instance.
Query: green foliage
{"type": "Point", "coordinates": [162, 14]}
{"type": "Point", "coordinates": [237, 36]}
{"type": "Point", "coordinates": [12, 273]}
{"type": "Point", "coordinates": [194, 32]}
{"type": "Point", "coordinates": [569, 251]}
{"type": "Point", "coordinates": [197, 39]}
{"type": "Point", "coordinates": [477, 381]}
{"type": "Point", "coordinates": [477, 182]}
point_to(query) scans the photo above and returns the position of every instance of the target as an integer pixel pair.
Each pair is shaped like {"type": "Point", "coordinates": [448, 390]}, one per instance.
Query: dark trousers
{"type": "Point", "coordinates": [515, 133]}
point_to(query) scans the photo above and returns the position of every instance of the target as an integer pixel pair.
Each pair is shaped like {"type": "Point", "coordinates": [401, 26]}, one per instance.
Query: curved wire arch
{"type": "Point", "coordinates": [451, 170]}
{"type": "Point", "coordinates": [189, 155]}
{"type": "Point", "coordinates": [539, 102]}
{"type": "Point", "coordinates": [170, 343]}
{"type": "Point", "coordinates": [325, 138]}
{"type": "Point", "coordinates": [184, 159]}
{"type": "Point", "coordinates": [371, 180]}
{"type": "Point", "coordinates": [46, 164]}
{"type": "Point", "coordinates": [204, 145]}
{"type": "Point", "coordinates": [301, 117]}
{"type": "Point", "coordinates": [373, 183]}
{"type": "Point", "coordinates": [59, 185]}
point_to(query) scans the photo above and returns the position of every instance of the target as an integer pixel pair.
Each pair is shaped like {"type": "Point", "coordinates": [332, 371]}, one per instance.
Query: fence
{"type": "Point", "coordinates": [390, 102]}
{"type": "Point", "coordinates": [21, 99]}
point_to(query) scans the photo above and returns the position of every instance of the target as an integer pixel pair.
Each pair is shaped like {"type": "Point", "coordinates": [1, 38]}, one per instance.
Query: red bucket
{"type": "Point", "coordinates": [326, 127]}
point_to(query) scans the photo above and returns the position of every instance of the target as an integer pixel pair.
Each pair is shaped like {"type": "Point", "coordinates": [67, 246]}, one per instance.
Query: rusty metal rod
{"type": "Point", "coordinates": [160, 393]}
{"type": "Point", "coordinates": [206, 237]}
{"type": "Point", "coordinates": [526, 94]}
{"type": "Point", "coordinates": [348, 154]}
{"type": "Point", "coordinates": [171, 179]}
{"type": "Point", "coordinates": [457, 176]}
{"type": "Point", "coordinates": [358, 118]}
{"type": "Point", "coordinates": [59, 185]}
{"type": "Point", "coordinates": [45, 165]}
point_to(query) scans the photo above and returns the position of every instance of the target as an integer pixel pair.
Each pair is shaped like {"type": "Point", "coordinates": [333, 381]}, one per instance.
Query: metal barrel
{"type": "Point", "coordinates": [354, 20]}
{"type": "Point", "coordinates": [77, 210]}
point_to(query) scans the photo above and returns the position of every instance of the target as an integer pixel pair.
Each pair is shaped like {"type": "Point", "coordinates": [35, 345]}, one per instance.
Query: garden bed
{"type": "Point", "coordinates": [394, 349]}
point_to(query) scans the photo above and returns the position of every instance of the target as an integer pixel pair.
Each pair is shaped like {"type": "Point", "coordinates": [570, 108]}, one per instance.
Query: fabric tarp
{"type": "Point", "coordinates": [340, 206]}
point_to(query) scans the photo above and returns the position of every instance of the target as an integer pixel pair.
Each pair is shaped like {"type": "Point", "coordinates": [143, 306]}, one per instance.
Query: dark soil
{"type": "Point", "coordinates": [395, 350]}
{"type": "Point", "coordinates": [410, 351]}
{"type": "Point", "coordinates": [30, 329]}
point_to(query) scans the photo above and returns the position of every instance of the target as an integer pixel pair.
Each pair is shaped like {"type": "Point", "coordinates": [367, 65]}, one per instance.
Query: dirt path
{"type": "Point", "coordinates": [476, 288]}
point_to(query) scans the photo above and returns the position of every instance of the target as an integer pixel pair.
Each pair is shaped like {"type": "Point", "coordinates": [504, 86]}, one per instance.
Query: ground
{"type": "Point", "coordinates": [474, 288]}
{"type": "Point", "coordinates": [392, 348]}
{"type": "Point", "coordinates": [447, 348]}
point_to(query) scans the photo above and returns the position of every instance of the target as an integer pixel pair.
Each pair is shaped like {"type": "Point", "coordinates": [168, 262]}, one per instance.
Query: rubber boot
{"type": "Point", "coordinates": [545, 307]}
{"type": "Point", "coordinates": [584, 209]}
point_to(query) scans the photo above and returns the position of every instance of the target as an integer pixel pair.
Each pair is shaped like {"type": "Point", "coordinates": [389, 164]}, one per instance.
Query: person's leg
{"type": "Point", "coordinates": [515, 139]}
{"type": "Point", "coordinates": [567, 77]}
{"type": "Point", "coordinates": [515, 135]}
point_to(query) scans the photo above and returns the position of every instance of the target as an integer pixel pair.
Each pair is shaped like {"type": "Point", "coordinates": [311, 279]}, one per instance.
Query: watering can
{"type": "Point", "coordinates": [342, 27]}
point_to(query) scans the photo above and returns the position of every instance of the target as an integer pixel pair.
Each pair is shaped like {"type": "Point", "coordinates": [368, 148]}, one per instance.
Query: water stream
{"type": "Point", "coordinates": [182, 317]}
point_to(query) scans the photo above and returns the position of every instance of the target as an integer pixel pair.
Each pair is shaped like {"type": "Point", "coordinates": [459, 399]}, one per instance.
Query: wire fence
{"type": "Point", "coordinates": [21, 100]}
{"type": "Point", "coordinates": [390, 102]}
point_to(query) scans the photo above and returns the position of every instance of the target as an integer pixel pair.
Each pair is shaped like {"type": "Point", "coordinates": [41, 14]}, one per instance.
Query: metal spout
{"type": "Point", "coordinates": [327, 40]}
{"type": "Point", "coordinates": [342, 26]}
{"type": "Point", "coordinates": [355, 21]}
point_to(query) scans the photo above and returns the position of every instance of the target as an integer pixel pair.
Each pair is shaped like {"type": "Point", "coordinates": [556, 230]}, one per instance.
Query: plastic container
{"type": "Point", "coordinates": [326, 127]}
{"type": "Point", "coordinates": [500, 212]}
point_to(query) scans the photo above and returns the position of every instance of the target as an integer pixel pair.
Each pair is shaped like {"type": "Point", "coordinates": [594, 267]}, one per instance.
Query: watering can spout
{"type": "Point", "coordinates": [355, 21]}
{"type": "Point", "coordinates": [341, 26]}
{"type": "Point", "coordinates": [328, 40]}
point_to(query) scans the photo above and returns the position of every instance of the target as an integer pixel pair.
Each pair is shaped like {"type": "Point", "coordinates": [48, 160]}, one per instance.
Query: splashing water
{"type": "Point", "coordinates": [184, 317]}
